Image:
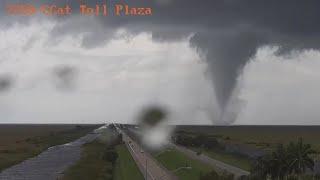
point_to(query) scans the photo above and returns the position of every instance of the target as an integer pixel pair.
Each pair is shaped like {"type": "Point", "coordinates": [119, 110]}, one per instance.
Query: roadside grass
{"type": "Point", "coordinates": [60, 138]}
{"type": "Point", "coordinates": [228, 158]}
{"type": "Point", "coordinates": [30, 144]}
{"type": "Point", "coordinates": [172, 160]}
{"type": "Point", "coordinates": [126, 168]}
{"type": "Point", "coordinates": [11, 158]}
{"type": "Point", "coordinates": [91, 165]}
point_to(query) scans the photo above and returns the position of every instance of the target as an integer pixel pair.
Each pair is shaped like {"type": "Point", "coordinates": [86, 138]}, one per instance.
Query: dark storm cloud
{"type": "Point", "coordinates": [6, 82]}
{"type": "Point", "coordinates": [226, 32]}
{"type": "Point", "coordinates": [65, 76]}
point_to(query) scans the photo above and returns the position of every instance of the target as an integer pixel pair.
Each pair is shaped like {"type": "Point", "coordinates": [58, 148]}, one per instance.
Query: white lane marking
{"type": "Point", "coordinates": [142, 163]}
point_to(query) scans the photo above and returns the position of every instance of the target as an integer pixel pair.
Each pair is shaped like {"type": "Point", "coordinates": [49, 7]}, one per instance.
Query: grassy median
{"type": "Point", "coordinates": [91, 165]}
{"type": "Point", "coordinates": [228, 158]}
{"type": "Point", "coordinates": [173, 160]}
{"type": "Point", "coordinates": [106, 158]}
{"type": "Point", "coordinates": [126, 168]}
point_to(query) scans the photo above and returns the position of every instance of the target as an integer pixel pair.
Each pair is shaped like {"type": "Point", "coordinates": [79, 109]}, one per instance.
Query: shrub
{"type": "Point", "coordinates": [213, 175]}
{"type": "Point", "coordinates": [288, 161]}
{"type": "Point", "coordinates": [198, 141]}
{"type": "Point", "coordinates": [110, 156]}
{"type": "Point", "coordinates": [210, 176]}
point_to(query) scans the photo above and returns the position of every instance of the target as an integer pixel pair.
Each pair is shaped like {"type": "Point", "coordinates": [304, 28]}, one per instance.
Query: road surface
{"type": "Point", "coordinates": [212, 162]}
{"type": "Point", "coordinates": [143, 159]}
{"type": "Point", "coordinates": [218, 165]}
{"type": "Point", "coordinates": [50, 164]}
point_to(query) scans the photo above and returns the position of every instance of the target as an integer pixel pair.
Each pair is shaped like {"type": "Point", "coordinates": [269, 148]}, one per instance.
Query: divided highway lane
{"type": "Point", "coordinates": [154, 171]}
{"type": "Point", "coordinates": [218, 165]}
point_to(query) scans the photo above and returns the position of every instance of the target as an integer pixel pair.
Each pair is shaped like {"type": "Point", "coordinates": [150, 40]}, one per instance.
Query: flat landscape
{"type": "Point", "coordinates": [115, 152]}
{"type": "Point", "coordinates": [178, 163]}
{"type": "Point", "coordinates": [20, 142]}
{"type": "Point", "coordinates": [263, 137]}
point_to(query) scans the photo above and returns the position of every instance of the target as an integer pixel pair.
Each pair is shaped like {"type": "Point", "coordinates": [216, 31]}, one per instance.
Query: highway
{"type": "Point", "coordinates": [154, 170]}
{"type": "Point", "coordinates": [218, 165]}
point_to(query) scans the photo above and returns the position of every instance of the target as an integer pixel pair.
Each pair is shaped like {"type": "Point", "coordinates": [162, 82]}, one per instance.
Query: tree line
{"type": "Point", "coordinates": [286, 162]}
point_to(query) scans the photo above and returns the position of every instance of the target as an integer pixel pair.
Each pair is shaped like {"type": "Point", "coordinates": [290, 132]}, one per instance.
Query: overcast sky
{"type": "Point", "coordinates": [215, 62]}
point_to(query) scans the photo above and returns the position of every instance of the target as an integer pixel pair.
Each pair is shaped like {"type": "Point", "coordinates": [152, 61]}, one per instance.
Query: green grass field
{"type": "Point", "coordinates": [91, 165]}
{"type": "Point", "coordinates": [173, 159]}
{"type": "Point", "coordinates": [263, 137]}
{"type": "Point", "coordinates": [126, 168]}
{"type": "Point", "coordinates": [228, 158]}
{"type": "Point", "coordinates": [94, 164]}
{"type": "Point", "coordinates": [21, 142]}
